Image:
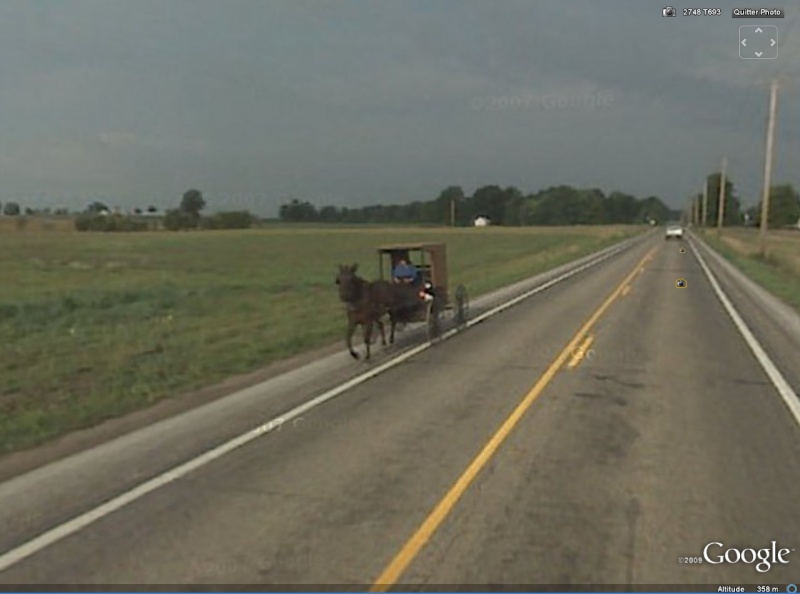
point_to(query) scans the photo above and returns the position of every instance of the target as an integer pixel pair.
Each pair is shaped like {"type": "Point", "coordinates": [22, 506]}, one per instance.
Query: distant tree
{"type": "Point", "coordinates": [29, 211]}
{"type": "Point", "coordinates": [152, 209]}
{"type": "Point", "coordinates": [732, 214]}
{"type": "Point", "coordinates": [592, 207]}
{"type": "Point", "coordinates": [555, 206]}
{"type": "Point", "coordinates": [12, 209]}
{"type": "Point", "coordinates": [329, 214]}
{"type": "Point", "coordinates": [137, 211]}
{"type": "Point", "coordinates": [489, 201]}
{"type": "Point", "coordinates": [298, 212]}
{"type": "Point", "coordinates": [193, 203]}
{"type": "Point", "coordinates": [513, 207]}
{"type": "Point", "coordinates": [448, 198]}
{"type": "Point", "coordinates": [784, 207]}
{"type": "Point", "coordinates": [653, 208]}
{"type": "Point", "coordinates": [623, 208]}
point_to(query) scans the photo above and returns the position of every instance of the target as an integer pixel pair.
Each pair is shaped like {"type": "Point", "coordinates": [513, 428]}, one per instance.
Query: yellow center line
{"type": "Point", "coordinates": [419, 539]}
{"type": "Point", "coordinates": [580, 354]}
{"type": "Point", "coordinates": [625, 290]}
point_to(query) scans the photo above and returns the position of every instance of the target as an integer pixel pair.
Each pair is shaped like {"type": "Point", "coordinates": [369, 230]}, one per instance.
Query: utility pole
{"type": "Point", "coordinates": [773, 106]}
{"type": "Point", "coordinates": [696, 213]}
{"type": "Point", "coordinates": [721, 207]}
{"type": "Point", "coordinates": [452, 211]}
{"type": "Point", "coordinates": [705, 202]}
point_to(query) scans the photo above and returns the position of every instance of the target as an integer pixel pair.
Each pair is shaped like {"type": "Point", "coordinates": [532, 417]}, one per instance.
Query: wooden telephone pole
{"type": "Point", "coordinates": [721, 207]}
{"type": "Point", "coordinates": [773, 106]}
{"type": "Point", "coordinates": [705, 202]}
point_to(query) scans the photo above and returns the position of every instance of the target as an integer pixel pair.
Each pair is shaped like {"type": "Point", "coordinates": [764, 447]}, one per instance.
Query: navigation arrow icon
{"type": "Point", "coordinates": [744, 42]}
{"type": "Point", "coordinates": [759, 30]}
{"type": "Point", "coordinates": [758, 53]}
{"type": "Point", "coordinates": [772, 42]}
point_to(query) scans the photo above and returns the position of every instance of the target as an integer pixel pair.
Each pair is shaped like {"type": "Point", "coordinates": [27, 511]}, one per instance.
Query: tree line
{"type": "Point", "coordinates": [558, 205]}
{"type": "Point", "coordinates": [14, 209]}
{"type": "Point", "coordinates": [784, 205]}
{"type": "Point", "coordinates": [561, 205]}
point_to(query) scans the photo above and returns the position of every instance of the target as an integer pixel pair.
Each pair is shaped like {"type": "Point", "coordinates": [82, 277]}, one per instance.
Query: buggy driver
{"type": "Point", "coordinates": [405, 272]}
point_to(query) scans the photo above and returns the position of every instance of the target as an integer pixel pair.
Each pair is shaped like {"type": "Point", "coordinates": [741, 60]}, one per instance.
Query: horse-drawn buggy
{"type": "Point", "coordinates": [427, 295]}
{"type": "Point", "coordinates": [413, 288]}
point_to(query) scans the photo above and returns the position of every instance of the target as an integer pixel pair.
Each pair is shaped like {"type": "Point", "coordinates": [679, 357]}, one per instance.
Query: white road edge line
{"type": "Point", "coordinates": [781, 385]}
{"type": "Point", "coordinates": [33, 546]}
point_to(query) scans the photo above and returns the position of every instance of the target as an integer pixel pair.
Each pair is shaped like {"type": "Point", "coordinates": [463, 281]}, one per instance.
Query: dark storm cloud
{"type": "Point", "coordinates": [355, 102]}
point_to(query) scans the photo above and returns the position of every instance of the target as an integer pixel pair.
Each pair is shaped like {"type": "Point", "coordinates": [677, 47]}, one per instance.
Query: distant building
{"type": "Point", "coordinates": [482, 222]}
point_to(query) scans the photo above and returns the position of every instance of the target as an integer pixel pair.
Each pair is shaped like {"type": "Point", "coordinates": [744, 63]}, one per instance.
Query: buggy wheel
{"type": "Point", "coordinates": [462, 306]}
{"type": "Point", "coordinates": [433, 319]}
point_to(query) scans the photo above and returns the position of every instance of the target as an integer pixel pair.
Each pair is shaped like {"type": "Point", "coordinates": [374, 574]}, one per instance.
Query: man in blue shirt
{"type": "Point", "coordinates": [405, 272]}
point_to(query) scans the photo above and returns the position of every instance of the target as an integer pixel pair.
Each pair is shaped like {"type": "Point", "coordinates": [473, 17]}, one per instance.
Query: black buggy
{"type": "Point", "coordinates": [431, 299]}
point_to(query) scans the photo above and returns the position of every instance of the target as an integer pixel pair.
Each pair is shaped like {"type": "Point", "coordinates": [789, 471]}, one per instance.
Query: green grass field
{"type": "Point", "coordinates": [93, 326]}
{"type": "Point", "coordinates": [779, 272]}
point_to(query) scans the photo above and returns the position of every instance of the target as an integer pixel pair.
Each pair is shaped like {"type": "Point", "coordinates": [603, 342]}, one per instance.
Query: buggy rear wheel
{"type": "Point", "coordinates": [462, 306]}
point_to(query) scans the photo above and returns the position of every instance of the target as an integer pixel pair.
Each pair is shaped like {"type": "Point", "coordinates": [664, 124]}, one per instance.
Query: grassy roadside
{"type": "Point", "coordinates": [779, 272]}
{"type": "Point", "coordinates": [93, 326]}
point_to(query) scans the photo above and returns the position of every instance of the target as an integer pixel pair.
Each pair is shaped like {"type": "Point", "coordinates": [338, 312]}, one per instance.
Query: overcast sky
{"type": "Point", "coordinates": [358, 102]}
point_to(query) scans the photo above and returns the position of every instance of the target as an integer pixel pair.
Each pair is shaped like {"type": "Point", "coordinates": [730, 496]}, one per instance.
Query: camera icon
{"type": "Point", "coordinates": [669, 11]}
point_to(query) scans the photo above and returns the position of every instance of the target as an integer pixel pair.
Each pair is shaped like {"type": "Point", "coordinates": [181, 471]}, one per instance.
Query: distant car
{"type": "Point", "coordinates": [674, 232]}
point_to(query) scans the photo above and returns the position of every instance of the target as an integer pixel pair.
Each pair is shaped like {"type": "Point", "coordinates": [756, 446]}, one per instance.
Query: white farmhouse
{"type": "Point", "coordinates": [482, 222]}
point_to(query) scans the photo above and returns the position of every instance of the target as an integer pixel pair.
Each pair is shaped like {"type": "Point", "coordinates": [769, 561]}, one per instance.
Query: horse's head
{"type": "Point", "coordinates": [349, 283]}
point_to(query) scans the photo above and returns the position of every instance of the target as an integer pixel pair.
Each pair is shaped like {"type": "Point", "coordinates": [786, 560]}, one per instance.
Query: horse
{"type": "Point", "coordinates": [363, 307]}
{"type": "Point", "coordinates": [398, 301]}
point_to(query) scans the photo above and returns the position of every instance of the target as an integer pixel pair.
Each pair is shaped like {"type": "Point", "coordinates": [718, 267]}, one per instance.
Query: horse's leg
{"type": "Point", "coordinates": [393, 323]}
{"type": "Point", "coordinates": [383, 332]}
{"type": "Point", "coordinates": [368, 335]}
{"type": "Point", "coordinates": [351, 328]}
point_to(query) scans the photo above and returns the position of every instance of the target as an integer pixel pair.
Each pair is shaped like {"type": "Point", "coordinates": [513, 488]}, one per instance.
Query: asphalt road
{"type": "Point", "coordinates": [667, 435]}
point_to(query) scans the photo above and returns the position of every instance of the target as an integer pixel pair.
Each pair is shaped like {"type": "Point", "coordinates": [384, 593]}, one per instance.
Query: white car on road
{"type": "Point", "coordinates": [674, 232]}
